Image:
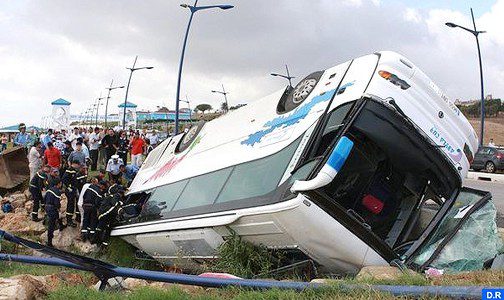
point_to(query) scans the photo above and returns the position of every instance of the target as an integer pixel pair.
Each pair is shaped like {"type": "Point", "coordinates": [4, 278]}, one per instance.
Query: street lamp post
{"type": "Point", "coordinates": [189, 107]}
{"type": "Point", "coordinates": [108, 97]}
{"type": "Point", "coordinates": [194, 8]}
{"type": "Point", "coordinates": [476, 32]}
{"type": "Point", "coordinates": [288, 77]}
{"type": "Point", "coordinates": [132, 69]}
{"type": "Point", "coordinates": [98, 108]}
{"type": "Point", "coordinates": [223, 92]}
{"type": "Point", "coordinates": [89, 114]}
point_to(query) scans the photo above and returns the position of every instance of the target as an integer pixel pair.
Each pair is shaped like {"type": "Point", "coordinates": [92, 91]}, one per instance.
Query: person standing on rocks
{"type": "Point", "coordinates": [91, 200]}
{"type": "Point", "coordinates": [34, 158]}
{"type": "Point", "coordinates": [69, 180]}
{"type": "Point", "coordinates": [37, 184]}
{"type": "Point", "coordinates": [107, 213]}
{"type": "Point", "coordinates": [52, 205]}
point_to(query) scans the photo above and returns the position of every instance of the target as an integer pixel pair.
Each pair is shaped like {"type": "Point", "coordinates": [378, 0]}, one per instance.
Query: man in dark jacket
{"type": "Point", "coordinates": [52, 205]}
{"type": "Point", "coordinates": [69, 180]}
{"type": "Point", "coordinates": [37, 184]}
{"type": "Point", "coordinates": [91, 201]}
{"type": "Point", "coordinates": [107, 212]}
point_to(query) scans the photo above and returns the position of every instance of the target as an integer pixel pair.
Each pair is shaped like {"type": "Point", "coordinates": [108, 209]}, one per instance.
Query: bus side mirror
{"type": "Point", "coordinates": [330, 169]}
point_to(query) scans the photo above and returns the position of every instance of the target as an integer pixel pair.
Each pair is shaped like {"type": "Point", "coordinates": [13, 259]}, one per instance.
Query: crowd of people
{"type": "Point", "coordinates": [59, 163]}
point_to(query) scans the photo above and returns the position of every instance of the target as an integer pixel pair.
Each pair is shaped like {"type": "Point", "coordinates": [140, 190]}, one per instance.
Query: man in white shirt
{"type": "Point", "coordinates": [73, 137]}
{"type": "Point", "coordinates": [94, 145]}
{"type": "Point", "coordinates": [154, 139]}
{"type": "Point", "coordinates": [114, 168]}
{"type": "Point", "coordinates": [34, 158]}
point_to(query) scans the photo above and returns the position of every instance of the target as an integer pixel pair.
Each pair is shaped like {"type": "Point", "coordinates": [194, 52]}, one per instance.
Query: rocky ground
{"type": "Point", "coordinates": [19, 223]}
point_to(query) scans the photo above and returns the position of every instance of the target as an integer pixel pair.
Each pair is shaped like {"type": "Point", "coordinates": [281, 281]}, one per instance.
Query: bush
{"type": "Point", "coordinates": [244, 259]}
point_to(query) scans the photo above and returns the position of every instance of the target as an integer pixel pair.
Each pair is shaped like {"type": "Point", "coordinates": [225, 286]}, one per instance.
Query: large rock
{"type": "Point", "coordinates": [17, 200]}
{"type": "Point", "coordinates": [35, 287]}
{"type": "Point", "coordinates": [69, 239]}
{"type": "Point", "coordinates": [327, 281]}
{"type": "Point", "coordinates": [134, 283]}
{"type": "Point", "coordinates": [27, 193]}
{"type": "Point", "coordinates": [113, 284]}
{"type": "Point", "coordinates": [63, 203]}
{"type": "Point", "coordinates": [382, 273]}
{"type": "Point", "coordinates": [22, 287]}
{"type": "Point", "coordinates": [500, 231]}
{"type": "Point", "coordinates": [19, 223]}
{"type": "Point", "coordinates": [118, 283]}
{"type": "Point", "coordinates": [28, 206]}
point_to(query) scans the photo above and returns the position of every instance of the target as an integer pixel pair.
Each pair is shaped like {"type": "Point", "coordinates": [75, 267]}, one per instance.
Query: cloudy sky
{"type": "Point", "coordinates": [72, 49]}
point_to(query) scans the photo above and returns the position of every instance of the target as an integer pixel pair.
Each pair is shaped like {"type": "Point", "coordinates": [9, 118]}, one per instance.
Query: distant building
{"type": "Point", "coordinates": [472, 101]}
{"type": "Point", "coordinates": [161, 114]}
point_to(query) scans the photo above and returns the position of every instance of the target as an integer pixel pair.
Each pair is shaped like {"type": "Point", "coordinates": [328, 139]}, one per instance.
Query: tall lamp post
{"type": "Point", "coordinates": [223, 92]}
{"type": "Point", "coordinates": [89, 114]}
{"type": "Point", "coordinates": [132, 69]}
{"type": "Point", "coordinates": [189, 107]}
{"type": "Point", "coordinates": [194, 8]}
{"type": "Point", "coordinates": [288, 77]}
{"type": "Point", "coordinates": [98, 108]}
{"type": "Point", "coordinates": [476, 32]}
{"type": "Point", "coordinates": [108, 97]}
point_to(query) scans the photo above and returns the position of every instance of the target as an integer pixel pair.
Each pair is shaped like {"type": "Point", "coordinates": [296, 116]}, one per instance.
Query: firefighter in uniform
{"type": "Point", "coordinates": [52, 205]}
{"type": "Point", "coordinates": [91, 200]}
{"type": "Point", "coordinates": [81, 180]}
{"type": "Point", "coordinates": [107, 212]}
{"type": "Point", "coordinates": [37, 184]}
{"type": "Point", "coordinates": [69, 180]}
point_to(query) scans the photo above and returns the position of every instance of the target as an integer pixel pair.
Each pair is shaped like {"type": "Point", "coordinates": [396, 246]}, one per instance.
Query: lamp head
{"type": "Point", "coordinates": [452, 25]}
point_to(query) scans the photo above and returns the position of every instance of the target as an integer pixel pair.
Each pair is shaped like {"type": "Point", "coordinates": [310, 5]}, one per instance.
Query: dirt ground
{"type": "Point", "coordinates": [494, 129]}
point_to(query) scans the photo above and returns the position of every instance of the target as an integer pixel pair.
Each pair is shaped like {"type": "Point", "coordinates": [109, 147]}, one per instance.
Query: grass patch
{"type": "Point", "coordinates": [481, 278]}
{"type": "Point", "coordinates": [244, 259]}
{"type": "Point", "coordinates": [404, 279]}
{"type": "Point", "coordinates": [331, 292]}
{"type": "Point", "coordinates": [122, 254]}
{"type": "Point", "coordinates": [84, 293]}
{"type": "Point", "coordinates": [8, 269]}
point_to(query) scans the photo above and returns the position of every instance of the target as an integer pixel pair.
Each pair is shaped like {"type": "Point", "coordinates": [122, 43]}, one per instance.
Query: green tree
{"type": "Point", "coordinates": [203, 107]}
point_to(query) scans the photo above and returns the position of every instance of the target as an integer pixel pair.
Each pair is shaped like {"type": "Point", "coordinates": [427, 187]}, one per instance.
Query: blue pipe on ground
{"type": "Point", "coordinates": [466, 292]}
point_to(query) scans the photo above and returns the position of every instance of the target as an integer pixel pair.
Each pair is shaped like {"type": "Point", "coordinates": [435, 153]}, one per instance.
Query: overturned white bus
{"type": "Point", "coordinates": [357, 165]}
